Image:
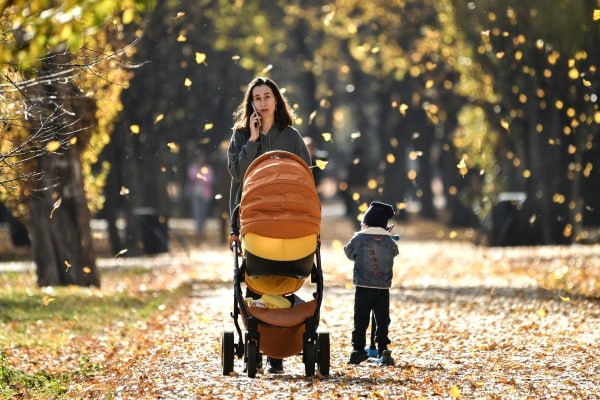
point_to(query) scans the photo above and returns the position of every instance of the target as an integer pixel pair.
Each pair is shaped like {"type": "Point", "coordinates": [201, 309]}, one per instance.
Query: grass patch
{"type": "Point", "coordinates": [51, 336]}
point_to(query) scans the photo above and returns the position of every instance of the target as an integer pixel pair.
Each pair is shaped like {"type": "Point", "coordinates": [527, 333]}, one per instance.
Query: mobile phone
{"type": "Point", "coordinates": [259, 119]}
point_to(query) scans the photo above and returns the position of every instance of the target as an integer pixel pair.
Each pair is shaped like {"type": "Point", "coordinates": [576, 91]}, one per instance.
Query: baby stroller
{"type": "Point", "coordinates": [277, 226]}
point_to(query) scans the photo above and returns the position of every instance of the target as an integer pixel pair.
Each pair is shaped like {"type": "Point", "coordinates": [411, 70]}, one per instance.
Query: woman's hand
{"type": "Point", "coordinates": [254, 126]}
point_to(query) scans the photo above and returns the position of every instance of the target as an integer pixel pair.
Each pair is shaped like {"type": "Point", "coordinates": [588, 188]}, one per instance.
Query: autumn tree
{"type": "Point", "coordinates": [62, 68]}
{"type": "Point", "coordinates": [542, 65]}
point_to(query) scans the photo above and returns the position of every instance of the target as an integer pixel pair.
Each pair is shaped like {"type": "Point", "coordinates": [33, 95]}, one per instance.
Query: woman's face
{"type": "Point", "coordinates": [264, 100]}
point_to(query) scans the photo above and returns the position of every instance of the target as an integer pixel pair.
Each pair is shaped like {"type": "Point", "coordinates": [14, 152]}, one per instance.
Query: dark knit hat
{"type": "Point", "coordinates": [378, 214]}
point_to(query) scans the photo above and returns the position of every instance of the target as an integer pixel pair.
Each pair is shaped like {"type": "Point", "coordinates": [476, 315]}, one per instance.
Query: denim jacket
{"type": "Point", "coordinates": [373, 251]}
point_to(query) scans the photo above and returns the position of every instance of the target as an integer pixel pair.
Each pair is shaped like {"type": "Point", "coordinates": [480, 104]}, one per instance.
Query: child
{"type": "Point", "coordinates": [373, 250]}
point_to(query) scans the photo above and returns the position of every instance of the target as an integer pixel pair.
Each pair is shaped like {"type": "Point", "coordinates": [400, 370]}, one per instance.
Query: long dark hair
{"type": "Point", "coordinates": [284, 115]}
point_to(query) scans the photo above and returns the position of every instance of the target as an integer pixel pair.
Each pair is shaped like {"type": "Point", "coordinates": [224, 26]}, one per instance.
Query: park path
{"type": "Point", "coordinates": [467, 322]}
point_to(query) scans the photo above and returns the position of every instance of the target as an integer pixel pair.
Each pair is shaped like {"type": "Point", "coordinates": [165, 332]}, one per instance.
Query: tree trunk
{"type": "Point", "coordinates": [59, 222]}
{"type": "Point", "coordinates": [58, 214]}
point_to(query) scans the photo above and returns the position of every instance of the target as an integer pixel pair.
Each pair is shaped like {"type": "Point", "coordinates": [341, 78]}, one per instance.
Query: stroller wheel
{"type": "Point", "coordinates": [227, 352]}
{"type": "Point", "coordinates": [251, 358]}
{"type": "Point", "coordinates": [323, 353]}
{"type": "Point", "coordinates": [309, 353]}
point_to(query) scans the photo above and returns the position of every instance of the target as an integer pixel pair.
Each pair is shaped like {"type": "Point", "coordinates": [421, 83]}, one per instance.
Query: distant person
{"type": "Point", "coordinates": [373, 250]}
{"type": "Point", "coordinates": [262, 122]}
{"type": "Point", "coordinates": [200, 175]}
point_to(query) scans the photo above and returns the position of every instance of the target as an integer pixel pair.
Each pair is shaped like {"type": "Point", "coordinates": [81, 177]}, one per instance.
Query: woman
{"type": "Point", "coordinates": [262, 122]}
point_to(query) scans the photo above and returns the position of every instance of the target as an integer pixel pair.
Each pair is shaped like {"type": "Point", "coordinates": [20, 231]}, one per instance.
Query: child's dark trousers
{"type": "Point", "coordinates": [365, 300]}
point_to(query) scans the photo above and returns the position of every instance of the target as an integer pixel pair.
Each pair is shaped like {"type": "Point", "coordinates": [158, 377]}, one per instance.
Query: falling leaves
{"type": "Point", "coordinates": [46, 300]}
{"type": "Point", "coordinates": [462, 166]}
{"type": "Point", "coordinates": [321, 164]}
{"type": "Point", "coordinates": [173, 147]}
{"type": "Point", "coordinates": [55, 206]}
{"type": "Point", "coordinates": [135, 129]}
{"type": "Point", "coordinates": [200, 58]}
{"type": "Point", "coordinates": [53, 145]}
{"type": "Point", "coordinates": [120, 253]}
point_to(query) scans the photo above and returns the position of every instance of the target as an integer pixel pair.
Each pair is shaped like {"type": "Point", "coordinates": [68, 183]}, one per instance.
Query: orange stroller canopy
{"type": "Point", "coordinates": [279, 198]}
{"type": "Point", "coordinates": [280, 218]}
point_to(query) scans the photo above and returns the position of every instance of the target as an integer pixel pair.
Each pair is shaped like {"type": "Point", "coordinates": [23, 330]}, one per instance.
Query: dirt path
{"type": "Point", "coordinates": [466, 322]}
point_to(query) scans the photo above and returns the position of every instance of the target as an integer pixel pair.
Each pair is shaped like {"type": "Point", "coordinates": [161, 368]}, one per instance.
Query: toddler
{"type": "Point", "coordinates": [373, 250]}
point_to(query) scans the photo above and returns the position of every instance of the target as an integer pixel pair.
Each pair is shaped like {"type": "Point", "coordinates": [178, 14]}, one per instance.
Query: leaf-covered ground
{"type": "Point", "coordinates": [467, 322]}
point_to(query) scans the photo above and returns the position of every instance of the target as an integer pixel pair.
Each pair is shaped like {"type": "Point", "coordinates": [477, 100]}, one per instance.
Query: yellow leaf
{"type": "Point", "coordinates": [180, 14]}
{"type": "Point", "coordinates": [208, 126]}
{"type": "Point", "coordinates": [135, 129]}
{"type": "Point", "coordinates": [596, 15]}
{"type": "Point", "coordinates": [47, 300]}
{"type": "Point", "coordinates": [565, 299]}
{"type": "Point", "coordinates": [53, 145]}
{"type": "Point", "coordinates": [321, 164]}
{"type": "Point", "coordinates": [181, 37]}
{"type": "Point", "coordinates": [159, 118]}
{"type": "Point", "coordinates": [504, 123]}
{"type": "Point", "coordinates": [187, 83]}
{"type": "Point", "coordinates": [573, 73]}
{"type": "Point", "coordinates": [455, 392]}
{"type": "Point", "coordinates": [403, 108]}
{"type": "Point", "coordinates": [55, 206]}
{"type": "Point", "coordinates": [327, 136]}
{"type": "Point", "coordinates": [124, 191]}
{"type": "Point", "coordinates": [174, 147]}
{"type": "Point", "coordinates": [541, 312]}
{"type": "Point", "coordinates": [128, 16]}
{"type": "Point", "coordinates": [200, 58]}
{"type": "Point", "coordinates": [120, 253]}
{"type": "Point", "coordinates": [87, 270]}
{"type": "Point", "coordinates": [462, 166]}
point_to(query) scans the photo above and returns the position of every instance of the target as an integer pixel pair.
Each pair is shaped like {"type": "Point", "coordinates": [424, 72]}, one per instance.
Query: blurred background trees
{"type": "Point", "coordinates": [481, 114]}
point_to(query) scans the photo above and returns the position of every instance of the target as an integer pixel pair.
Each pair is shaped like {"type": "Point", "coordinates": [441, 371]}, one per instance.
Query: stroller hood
{"type": "Point", "coordinates": [279, 198]}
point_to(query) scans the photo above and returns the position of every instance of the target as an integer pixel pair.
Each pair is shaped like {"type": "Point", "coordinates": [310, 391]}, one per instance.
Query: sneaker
{"type": "Point", "coordinates": [372, 352]}
{"type": "Point", "coordinates": [386, 358]}
{"type": "Point", "coordinates": [358, 356]}
{"type": "Point", "coordinates": [275, 365]}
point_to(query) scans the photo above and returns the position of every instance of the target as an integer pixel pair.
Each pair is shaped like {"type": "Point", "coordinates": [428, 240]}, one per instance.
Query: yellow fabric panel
{"type": "Point", "coordinates": [273, 284]}
{"type": "Point", "coordinates": [280, 249]}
